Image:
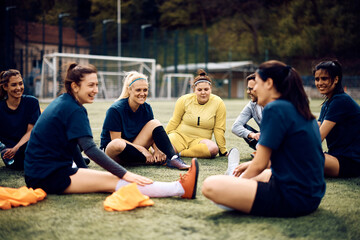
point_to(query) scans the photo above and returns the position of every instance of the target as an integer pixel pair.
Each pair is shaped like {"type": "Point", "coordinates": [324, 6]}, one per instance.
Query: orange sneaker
{"type": "Point", "coordinates": [189, 180]}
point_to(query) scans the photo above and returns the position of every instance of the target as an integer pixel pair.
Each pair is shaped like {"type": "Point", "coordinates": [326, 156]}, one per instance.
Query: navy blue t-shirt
{"type": "Point", "coordinates": [344, 138]}
{"type": "Point", "coordinates": [14, 123]}
{"type": "Point", "coordinates": [297, 159]}
{"type": "Point", "coordinates": [120, 118]}
{"type": "Point", "coordinates": [53, 139]}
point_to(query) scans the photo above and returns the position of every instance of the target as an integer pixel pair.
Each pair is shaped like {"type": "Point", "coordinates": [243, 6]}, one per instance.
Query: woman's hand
{"type": "Point", "coordinates": [10, 153]}
{"type": "Point", "coordinates": [134, 178]}
{"type": "Point", "coordinates": [149, 157]}
{"type": "Point", "coordinates": [241, 168]}
{"type": "Point", "coordinates": [158, 155]}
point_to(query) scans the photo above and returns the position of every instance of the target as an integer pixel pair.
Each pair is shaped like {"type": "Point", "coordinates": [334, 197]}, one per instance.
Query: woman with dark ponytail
{"type": "Point", "coordinates": [19, 113]}
{"type": "Point", "coordinates": [197, 116]}
{"type": "Point", "coordinates": [339, 122]}
{"type": "Point", "coordinates": [62, 127]}
{"type": "Point", "coordinates": [294, 185]}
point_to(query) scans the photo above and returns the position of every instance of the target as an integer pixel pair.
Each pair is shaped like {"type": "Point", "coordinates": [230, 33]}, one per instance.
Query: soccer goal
{"type": "Point", "coordinates": [111, 72]}
{"type": "Point", "coordinates": [175, 85]}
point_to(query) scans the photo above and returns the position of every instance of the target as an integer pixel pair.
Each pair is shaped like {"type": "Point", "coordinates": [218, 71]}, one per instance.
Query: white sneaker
{"type": "Point", "coordinates": [233, 161]}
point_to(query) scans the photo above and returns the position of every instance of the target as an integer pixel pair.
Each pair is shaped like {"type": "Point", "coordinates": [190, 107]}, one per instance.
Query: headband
{"type": "Point", "coordinates": [136, 80]}
{"type": "Point", "coordinates": [202, 80]}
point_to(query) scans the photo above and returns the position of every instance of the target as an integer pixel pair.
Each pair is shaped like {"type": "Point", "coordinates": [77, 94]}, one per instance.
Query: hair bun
{"type": "Point", "coordinates": [72, 66]}
{"type": "Point", "coordinates": [201, 72]}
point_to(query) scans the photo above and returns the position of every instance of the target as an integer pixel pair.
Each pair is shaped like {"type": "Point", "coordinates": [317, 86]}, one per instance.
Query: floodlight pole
{"type": "Point", "coordinates": [104, 22]}
{"type": "Point", "coordinates": [60, 16]}
{"type": "Point", "coordinates": [8, 48]}
{"type": "Point", "coordinates": [143, 38]}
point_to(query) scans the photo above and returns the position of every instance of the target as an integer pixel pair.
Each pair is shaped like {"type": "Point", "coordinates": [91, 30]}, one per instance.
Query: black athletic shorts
{"type": "Point", "coordinates": [55, 183]}
{"type": "Point", "coordinates": [270, 202]}
{"type": "Point", "coordinates": [348, 167]}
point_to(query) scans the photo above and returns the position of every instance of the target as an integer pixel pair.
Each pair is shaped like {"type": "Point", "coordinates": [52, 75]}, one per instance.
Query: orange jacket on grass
{"type": "Point", "coordinates": [14, 197]}
{"type": "Point", "coordinates": [127, 198]}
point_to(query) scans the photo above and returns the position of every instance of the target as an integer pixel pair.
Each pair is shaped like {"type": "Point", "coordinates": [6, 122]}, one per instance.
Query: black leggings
{"type": "Point", "coordinates": [252, 142]}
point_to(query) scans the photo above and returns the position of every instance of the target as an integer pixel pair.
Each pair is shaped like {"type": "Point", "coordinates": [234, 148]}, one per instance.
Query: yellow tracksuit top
{"type": "Point", "coordinates": [200, 121]}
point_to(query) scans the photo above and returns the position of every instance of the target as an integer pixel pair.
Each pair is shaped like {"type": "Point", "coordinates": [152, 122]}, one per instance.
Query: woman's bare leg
{"type": "Point", "coordinates": [236, 193]}
{"type": "Point", "coordinates": [114, 148]}
{"type": "Point", "coordinates": [144, 138]}
{"type": "Point", "coordinates": [264, 176]}
{"type": "Point", "coordinates": [212, 146]}
{"type": "Point", "coordinates": [89, 180]}
{"type": "Point", "coordinates": [332, 166]}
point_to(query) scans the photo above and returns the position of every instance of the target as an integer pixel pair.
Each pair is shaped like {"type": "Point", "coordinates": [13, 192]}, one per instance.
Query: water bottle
{"type": "Point", "coordinates": [3, 149]}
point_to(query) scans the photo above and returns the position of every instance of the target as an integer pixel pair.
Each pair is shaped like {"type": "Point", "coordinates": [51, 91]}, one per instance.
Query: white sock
{"type": "Point", "coordinates": [157, 189]}
{"type": "Point", "coordinates": [224, 207]}
{"type": "Point", "coordinates": [233, 161]}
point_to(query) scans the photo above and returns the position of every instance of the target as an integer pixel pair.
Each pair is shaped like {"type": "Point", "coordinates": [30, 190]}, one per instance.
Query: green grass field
{"type": "Point", "coordinates": [82, 216]}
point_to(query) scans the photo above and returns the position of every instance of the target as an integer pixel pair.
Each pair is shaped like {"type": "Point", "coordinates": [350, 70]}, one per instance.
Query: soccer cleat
{"type": "Point", "coordinates": [233, 161]}
{"type": "Point", "coordinates": [252, 154]}
{"type": "Point", "coordinates": [177, 163]}
{"type": "Point", "coordinates": [189, 180]}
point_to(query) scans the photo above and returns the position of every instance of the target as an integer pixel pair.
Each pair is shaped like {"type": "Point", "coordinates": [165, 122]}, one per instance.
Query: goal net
{"type": "Point", "coordinates": [174, 85]}
{"type": "Point", "coordinates": [111, 72]}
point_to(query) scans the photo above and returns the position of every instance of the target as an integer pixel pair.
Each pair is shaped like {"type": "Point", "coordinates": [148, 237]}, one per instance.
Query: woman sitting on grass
{"type": "Point", "coordinates": [62, 126]}
{"type": "Point", "coordinates": [129, 129]}
{"type": "Point", "coordinates": [19, 113]}
{"type": "Point", "coordinates": [290, 137]}
{"type": "Point", "coordinates": [196, 117]}
{"type": "Point", "coordinates": [339, 122]}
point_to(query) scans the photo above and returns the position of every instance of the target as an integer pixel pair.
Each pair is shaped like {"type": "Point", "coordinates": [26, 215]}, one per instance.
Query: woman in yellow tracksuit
{"type": "Point", "coordinates": [196, 117]}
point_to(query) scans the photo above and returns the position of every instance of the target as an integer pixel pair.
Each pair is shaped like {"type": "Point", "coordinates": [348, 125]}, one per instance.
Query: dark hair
{"type": "Point", "coordinates": [202, 76]}
{"type": "Point", "coordinates": [75, 73]}
{"type": "Point", "coordinates": [4, 79]}
{"type": "Point", "coordinates": [288, 83]}
{"type": "Point", "coordinates": [250, 77]}
{"type": "Point", "coordinates": [334, 69]}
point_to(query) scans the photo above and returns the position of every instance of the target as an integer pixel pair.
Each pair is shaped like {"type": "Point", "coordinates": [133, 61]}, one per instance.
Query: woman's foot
{"type": "Point", "coordinates": [233, 161]}
{"type": "Point", "coordinates": [189, 180]}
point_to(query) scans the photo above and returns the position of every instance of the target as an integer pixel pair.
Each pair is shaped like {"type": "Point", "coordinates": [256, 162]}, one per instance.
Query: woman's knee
{"type": "Point", "coordinates": [153, 123]}
{"type": "Point", "coordinates": [209, 187]}
{"type": "Point", "coordinates": [213, 149]}
{"type": "Point", "coordinates": [116, 145]}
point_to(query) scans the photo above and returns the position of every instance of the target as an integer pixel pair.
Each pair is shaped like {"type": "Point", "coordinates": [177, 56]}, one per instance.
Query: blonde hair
{"type": "Point", "coordinates": [129, 79]}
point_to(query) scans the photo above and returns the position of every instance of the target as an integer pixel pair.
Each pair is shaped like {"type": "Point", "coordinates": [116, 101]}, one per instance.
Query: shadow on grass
{"type": "Point", "coordinates": [322, 224]}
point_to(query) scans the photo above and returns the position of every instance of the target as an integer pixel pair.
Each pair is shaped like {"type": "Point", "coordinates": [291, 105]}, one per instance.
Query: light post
{"type": "Point", "coordinates": [104, 22]}
{"type": "Point", "coordinates": [8, 46]}
{"type": "Point", "coordinates": [60, 16]}
{"type": "Point", "coordinates": [143, 27]}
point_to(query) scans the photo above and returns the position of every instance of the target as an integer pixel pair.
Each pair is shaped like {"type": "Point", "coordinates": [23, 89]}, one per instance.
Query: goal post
{"type": "Point", "coordinates": [175, 84]}
{"type": "Point", "coordinates": [111, 71]}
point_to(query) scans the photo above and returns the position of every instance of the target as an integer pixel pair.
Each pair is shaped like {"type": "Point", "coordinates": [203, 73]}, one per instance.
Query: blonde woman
{"type": "Point", "coordinates": [197, 116]}
{"type": "Point", "coordinates": [129, 129]}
